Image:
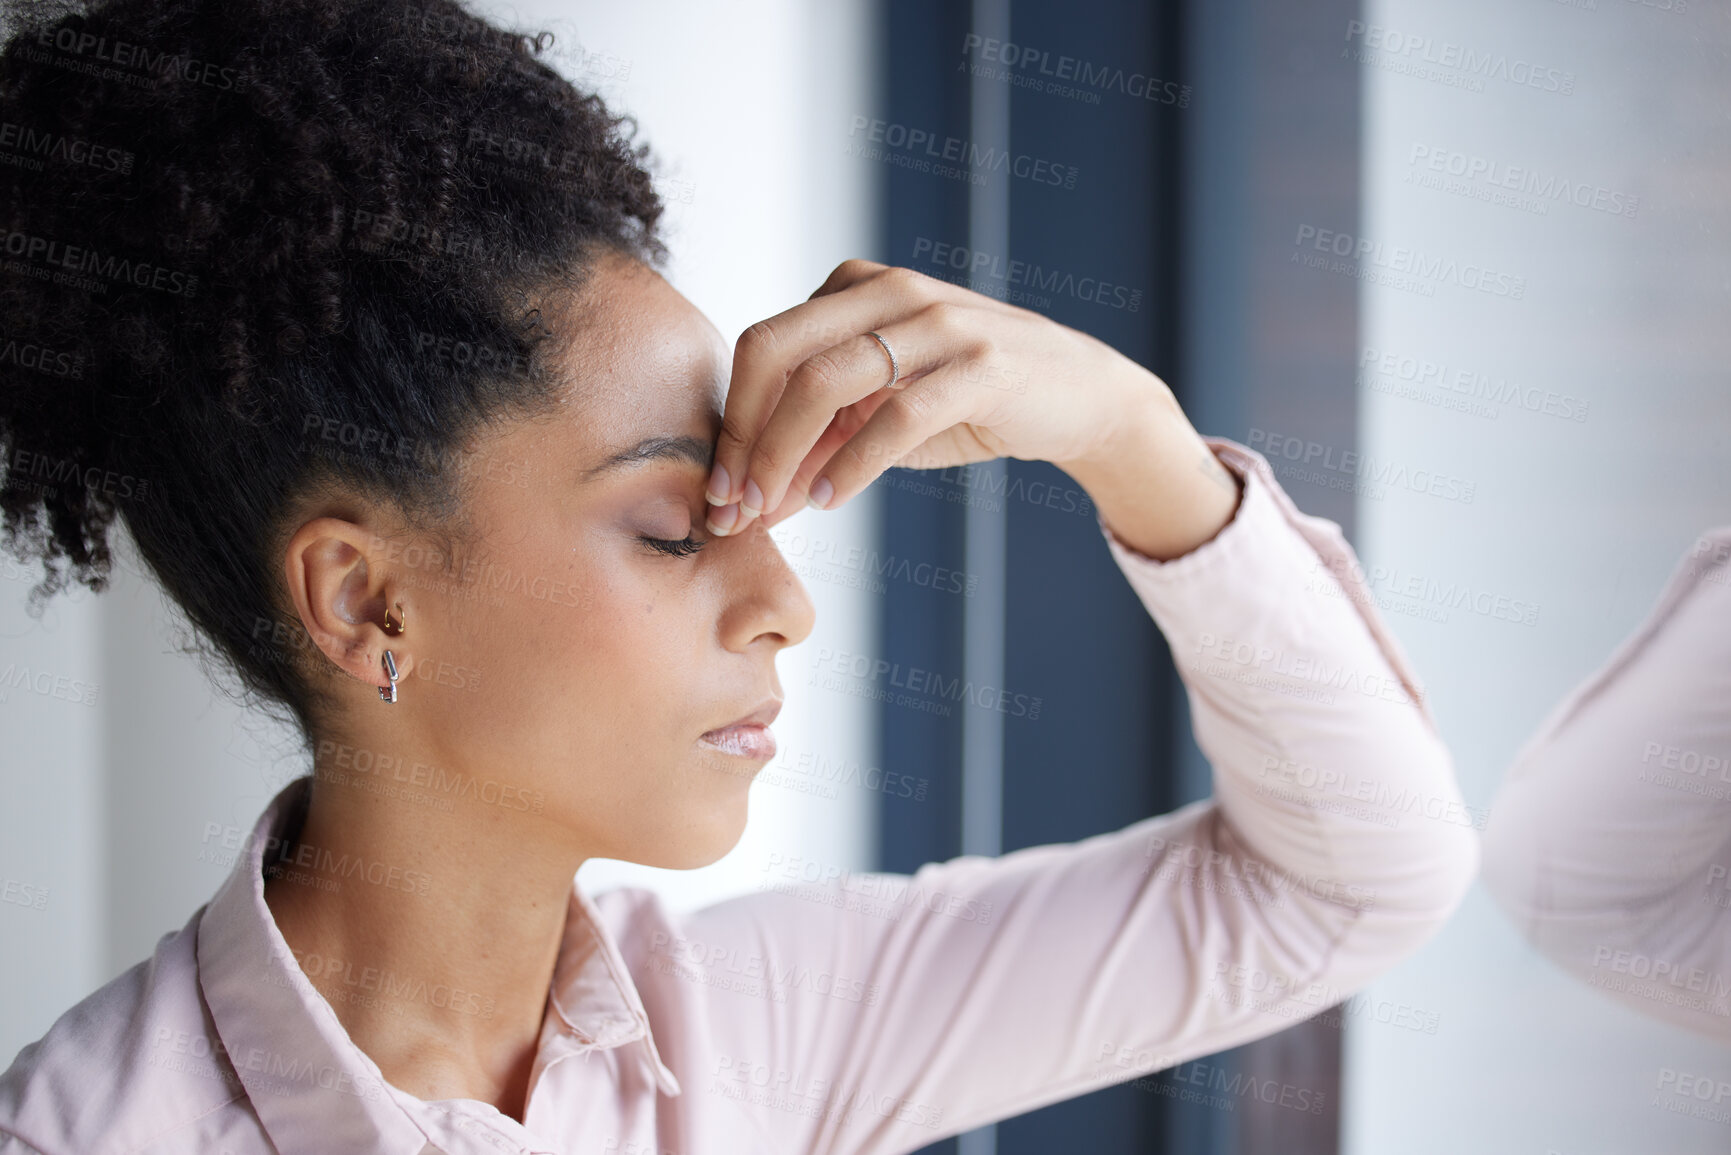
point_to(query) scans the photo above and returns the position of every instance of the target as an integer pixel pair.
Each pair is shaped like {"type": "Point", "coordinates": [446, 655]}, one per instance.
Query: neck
{"type": "Point", "coordinates": [432, 934]}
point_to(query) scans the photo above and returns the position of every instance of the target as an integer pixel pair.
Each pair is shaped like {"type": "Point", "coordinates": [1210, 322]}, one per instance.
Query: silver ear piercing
{"type": "Point", "coordinates": [389, 695]}
{"type": "Point", "coordinates": [394, 629]}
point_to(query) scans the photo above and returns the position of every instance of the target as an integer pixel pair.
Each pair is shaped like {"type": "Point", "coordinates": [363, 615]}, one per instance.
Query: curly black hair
{"type": "Point", "coordinates": [256, 250]}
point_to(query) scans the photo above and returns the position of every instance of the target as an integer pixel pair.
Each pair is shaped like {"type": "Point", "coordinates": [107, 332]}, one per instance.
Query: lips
{"type": "Point", "coordinates": [749, 735]}
{"type": "Point", "coordinates": [763, 715]}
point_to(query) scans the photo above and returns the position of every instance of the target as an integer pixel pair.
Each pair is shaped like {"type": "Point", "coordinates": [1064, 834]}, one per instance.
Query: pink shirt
{"type": "Point", "coordinates": [1609, 842]}
{"type": "Point", "coordinates": [872, 1012]}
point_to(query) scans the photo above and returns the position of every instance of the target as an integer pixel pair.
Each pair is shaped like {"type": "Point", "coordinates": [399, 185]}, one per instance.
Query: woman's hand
{"type": "Point", "coordinates": [811, 410]}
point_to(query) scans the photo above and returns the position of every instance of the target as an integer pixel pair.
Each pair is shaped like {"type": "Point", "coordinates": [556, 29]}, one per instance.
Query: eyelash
{"type": "Point", "coordinates": [680, 547]}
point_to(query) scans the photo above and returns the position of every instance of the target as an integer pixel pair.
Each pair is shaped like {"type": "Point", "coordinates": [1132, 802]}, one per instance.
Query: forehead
{"type": "Point", "coordinates": [638, 357]}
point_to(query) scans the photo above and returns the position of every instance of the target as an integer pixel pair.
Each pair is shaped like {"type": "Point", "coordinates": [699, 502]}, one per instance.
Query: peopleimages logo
{"type": "Point", "coordinates": [1542, 187]}
{"type": "Point", "coordinates": [978, 264]}
{"type": "Point", "coordinates": [1280, 449]}
{"type": "Point", "coordinates": [1362, 256]}
{"type": "Point", "coordinates": [23, 894]}
{"type": "Point", "coordinates": [280, 1073]}
{"type": "Point", "coordinates": [93, 55]}
{"type": "Point", "coordinates": [927, 686]}
{"type": "Point", "coordinates": [28, 354]}
{"type": "Point", "coordinates": [1039, 70]}
{"type": "Point", "coordinates": [31, 147]}
{"type": "Point", "coordinates": [1661, 970]}
{"type": "Point", "coordinates": [933, 152]}
{"type": "Point", "coordinates": [1461, 64]}
{"type": "Point", "coordinates": [1470, 384]}
{"type": "Point", "coordinates": [76, 261]}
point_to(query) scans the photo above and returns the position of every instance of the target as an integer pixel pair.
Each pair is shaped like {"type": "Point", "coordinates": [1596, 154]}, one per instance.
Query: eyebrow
{"type": "Point", "coordinates": [666, 448]}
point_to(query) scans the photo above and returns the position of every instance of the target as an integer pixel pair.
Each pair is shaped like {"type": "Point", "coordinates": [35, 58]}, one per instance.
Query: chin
{"type": "Point", "coordinates": [716, 838]}
{"type": "Point", "coordinates": [700, 841]}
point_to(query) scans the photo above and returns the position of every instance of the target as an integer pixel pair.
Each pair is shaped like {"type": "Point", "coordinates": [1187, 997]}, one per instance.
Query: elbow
{"type": "Point", "coordinates": [1458, 867]}
{"type": "Point", "coordinates": [1432, 855]}
{"type": "Point", "coordinates": [1413, 906]}
{"type": "Point", "coordinates": [1442, 875]}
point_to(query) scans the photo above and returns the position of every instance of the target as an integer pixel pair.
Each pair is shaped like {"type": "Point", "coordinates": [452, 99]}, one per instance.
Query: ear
{"type": "Point", "coordinates": [341, 587]}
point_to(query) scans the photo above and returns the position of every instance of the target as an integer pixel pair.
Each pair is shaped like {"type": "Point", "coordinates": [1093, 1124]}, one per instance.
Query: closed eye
{"type": "Point", "coordinates": [673, 547]}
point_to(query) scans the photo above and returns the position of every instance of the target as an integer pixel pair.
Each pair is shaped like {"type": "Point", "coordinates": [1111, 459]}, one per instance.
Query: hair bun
{"type": "Point", "coordinates": [222, 220]}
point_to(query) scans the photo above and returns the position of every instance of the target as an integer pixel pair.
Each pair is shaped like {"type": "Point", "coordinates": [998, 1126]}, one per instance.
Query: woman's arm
{"type": "Point", "coordinates": [877, 1013]}
{"type": "Point", "coordinates": [1609, 843]}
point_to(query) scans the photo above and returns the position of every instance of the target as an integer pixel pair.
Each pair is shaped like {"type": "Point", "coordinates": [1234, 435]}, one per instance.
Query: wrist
{"type": "Point", "coordinates": [1158, 486]}
{"type": "Point", "coordinates": [1147, 414]}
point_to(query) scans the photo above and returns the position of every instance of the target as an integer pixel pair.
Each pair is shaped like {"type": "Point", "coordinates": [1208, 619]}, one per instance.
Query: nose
{"type": "Point", "coordinates": [767, 599]}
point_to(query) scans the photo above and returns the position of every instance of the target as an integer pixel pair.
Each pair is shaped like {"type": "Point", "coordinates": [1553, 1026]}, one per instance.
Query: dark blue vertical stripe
{"type": "Point", "coordinates": [1156, 214]}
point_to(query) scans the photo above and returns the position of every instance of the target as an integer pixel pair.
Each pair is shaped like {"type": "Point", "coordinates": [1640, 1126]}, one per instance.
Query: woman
{"type": "Point", "coordinates": [1609, 843]}
{"type": "Point", "coordinates": [420, 397]}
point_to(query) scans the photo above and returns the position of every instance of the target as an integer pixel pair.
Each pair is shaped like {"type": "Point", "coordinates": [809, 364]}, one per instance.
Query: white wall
{"type": "Point", "coordinates": [1585, 519]}
{"type": "Point", "coordinates": [51, 785]}
{"type": "Point", "coordinates": [105, 805]}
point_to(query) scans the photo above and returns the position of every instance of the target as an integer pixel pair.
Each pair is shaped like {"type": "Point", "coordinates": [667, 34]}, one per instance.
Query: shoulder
{"type": "Point", "coordinates": [134, 1067]}
{"type": "Point", "coordinates": [650, 934]}
{"type": "Point", "coordinates": [639, 923]}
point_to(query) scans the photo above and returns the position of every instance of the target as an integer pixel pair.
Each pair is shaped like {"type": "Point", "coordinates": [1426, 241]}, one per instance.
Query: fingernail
{"type": "Point", "coordinates": [752, 502]}
{"type": "Point", "coordinates": [717, 494]}
{"type": "Point", "coordinates": [721, 519]}
{"type": "Point", "coordinates": [820, 494]}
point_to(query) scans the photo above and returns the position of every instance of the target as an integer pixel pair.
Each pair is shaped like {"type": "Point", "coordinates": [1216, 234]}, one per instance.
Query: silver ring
{"type": "Point", "coordinates": [895, 366]}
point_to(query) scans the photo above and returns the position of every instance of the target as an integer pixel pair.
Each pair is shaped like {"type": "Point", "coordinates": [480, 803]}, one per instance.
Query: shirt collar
{"type": "Point", "coordinates": [592, 993]}
{"type": "Point", "coordinates": [312, 1088]}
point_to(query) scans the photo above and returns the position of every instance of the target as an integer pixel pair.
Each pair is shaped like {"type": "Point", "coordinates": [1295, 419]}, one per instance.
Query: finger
{"type": "Point", "coordinates": [770, 350]}
{"type": "Point", "coordinates": [849, 272]}
{"type": "Point", "coordinates": [846, 423]}
{"type": "Point", "coordinates": [905, 420]}
{"type": "Point", "coordinates": [833, 379]}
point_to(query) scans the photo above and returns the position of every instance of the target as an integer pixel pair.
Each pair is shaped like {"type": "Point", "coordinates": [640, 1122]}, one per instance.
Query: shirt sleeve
{"type": "Point", "coordinates": [11, 1144]}
{"type": "Point", "coordinates": [913, 1007]}
{"type": "Point", "coordinates": [1610, 838]}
